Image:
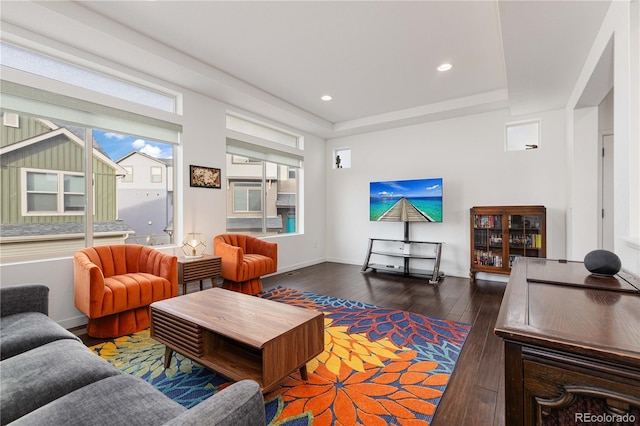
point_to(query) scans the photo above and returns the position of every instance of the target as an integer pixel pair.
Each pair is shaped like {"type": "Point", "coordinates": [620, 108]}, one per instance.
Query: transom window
{"type": "Point", "coordinates": [46, 66]}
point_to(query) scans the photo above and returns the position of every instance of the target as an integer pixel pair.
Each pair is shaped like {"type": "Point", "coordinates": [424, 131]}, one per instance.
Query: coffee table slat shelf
{"type": "Point", "coordinates": [239, 336]}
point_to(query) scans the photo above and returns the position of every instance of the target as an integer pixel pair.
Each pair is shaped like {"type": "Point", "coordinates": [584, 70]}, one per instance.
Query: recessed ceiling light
{"type": "Point", "coordinates": [445, 67]}
{"type": "Point", "coordinates": [326, 98]}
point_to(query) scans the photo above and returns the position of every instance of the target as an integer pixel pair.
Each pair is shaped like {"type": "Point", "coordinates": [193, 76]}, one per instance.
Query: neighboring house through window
{"type": "Point", "coordinates": [263, 179]}
{"type": "Point", "coordinates": [146, 201]}
{"type": "Point", "coordinates": [50, 208]}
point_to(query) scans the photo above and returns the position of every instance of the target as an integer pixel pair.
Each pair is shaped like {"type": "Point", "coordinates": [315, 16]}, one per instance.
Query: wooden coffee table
{"type": "Point", "coordinates": [239, 336]}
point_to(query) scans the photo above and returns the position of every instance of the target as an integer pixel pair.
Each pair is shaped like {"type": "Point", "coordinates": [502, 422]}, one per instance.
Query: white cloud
{"type": "Point", "coordinates": [151, 150]}
{"type": "Point", "coordinates": [138, 144]}
{"type": "Point", "coordinates": [110, 135]}
{"type": "Point", "coordinates": [430, 188]}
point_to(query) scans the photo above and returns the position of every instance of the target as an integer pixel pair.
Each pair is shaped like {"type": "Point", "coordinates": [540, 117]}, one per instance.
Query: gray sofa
{"type": "Point", "coordinates": [48, 377]}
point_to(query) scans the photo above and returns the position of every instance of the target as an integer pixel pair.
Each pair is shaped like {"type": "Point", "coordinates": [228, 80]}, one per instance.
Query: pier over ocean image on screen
{"type": "Point", "coordinates": [418, 200]}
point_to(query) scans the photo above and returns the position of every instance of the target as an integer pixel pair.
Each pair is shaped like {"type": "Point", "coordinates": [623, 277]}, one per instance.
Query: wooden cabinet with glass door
{"type": "Point", "coordinates": [501, 233]}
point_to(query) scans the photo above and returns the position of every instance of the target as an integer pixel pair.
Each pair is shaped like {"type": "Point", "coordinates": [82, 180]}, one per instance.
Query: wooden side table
{"type": "Point", "coordinates": [207, 266]}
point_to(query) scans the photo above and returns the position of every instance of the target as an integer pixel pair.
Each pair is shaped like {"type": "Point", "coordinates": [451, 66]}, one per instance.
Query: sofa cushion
{"type": "Point", "coordinates": [119, 400]}
{"type": "Point", "coordinates": [39, 376]}
{"type": "Point", "coordinates": [28, 330]}
{"type": "Point", "coordinates": [241, 403]}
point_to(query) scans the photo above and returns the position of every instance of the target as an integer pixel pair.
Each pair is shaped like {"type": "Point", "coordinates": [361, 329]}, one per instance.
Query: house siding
{"type": "Point", "coordinates": [57, 153]}
{"type": "Point", "coordinates": [28, 128]}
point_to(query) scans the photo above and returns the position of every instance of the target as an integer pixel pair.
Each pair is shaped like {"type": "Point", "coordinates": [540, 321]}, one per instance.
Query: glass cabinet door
{"type": "Point", "coordinates": [487, 238]}
{"type": "Point", "coordinates": [525, 236]}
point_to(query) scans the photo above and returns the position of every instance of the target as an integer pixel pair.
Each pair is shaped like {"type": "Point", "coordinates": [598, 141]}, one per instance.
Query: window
{"type": "Point", "coordinates": [247, 197]}
{"type": "Point", "coordinates": [522, 135]}
{"type": "Point", "coordinates": [52, 193]}
{"type": "Point", "coordinates": [156, 174]}
{"type": "Point", "coordinates": [50, 207]}
{"type": "Point", "coordinates": [73, 193]}
{"type": "Point", "coordinates": [129, 176]}
{"type": "Point", "coordinates": [45, 66]}
{"type": "Point", "coordinates": [42, 192]}
{"type": "Point", "coordinates": [263, 179]}
{"type": "Point", "coordinates": [262, 131]}
{"type": "Point", "coordinates": [342, 159]}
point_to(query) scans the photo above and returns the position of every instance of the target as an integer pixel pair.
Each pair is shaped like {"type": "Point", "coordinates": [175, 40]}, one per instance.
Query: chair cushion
{"type": "Point", "coordinates": [256, 265]}
{"type": "Point", "coordinates": [46, 373]}
{"type": "Point", "coordinates": [22, 332]}
{"type": "Point", "coordinates": [133, 290]}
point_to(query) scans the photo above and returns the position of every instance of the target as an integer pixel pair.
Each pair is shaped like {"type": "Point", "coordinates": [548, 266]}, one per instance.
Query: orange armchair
{"type": "Point", "coordinates": [244, 260]}
{"type": "Point", "coordinates": [115, 284]}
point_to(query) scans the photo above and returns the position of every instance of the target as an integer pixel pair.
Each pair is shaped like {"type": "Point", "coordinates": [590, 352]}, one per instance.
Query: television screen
{"type": "Point", "coordinates": [418, 200]}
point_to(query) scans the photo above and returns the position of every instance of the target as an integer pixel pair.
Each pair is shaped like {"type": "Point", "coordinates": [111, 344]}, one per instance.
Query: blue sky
{"type": "Point", "coordinates": [117, 145]}
{"type": "Point", "coordinates": [407, 188]}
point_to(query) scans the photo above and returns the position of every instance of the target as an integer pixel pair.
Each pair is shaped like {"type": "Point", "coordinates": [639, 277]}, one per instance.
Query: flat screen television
{"type": "Point", "coordinates": [418, 200]}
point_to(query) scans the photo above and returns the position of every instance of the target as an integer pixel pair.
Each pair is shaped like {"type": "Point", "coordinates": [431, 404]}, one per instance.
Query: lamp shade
{"type": "Point", "coordinates": [193, 245]}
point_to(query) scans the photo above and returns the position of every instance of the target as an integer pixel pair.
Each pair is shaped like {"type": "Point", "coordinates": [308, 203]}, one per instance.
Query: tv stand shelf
{"type": "Point", "coordinates": [434, 274]}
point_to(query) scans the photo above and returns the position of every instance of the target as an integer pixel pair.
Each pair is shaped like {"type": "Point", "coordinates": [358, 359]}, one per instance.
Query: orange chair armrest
{"type": "Point", "coordinates": [232, 258]}
{"type": "Point", "coordinates": [88, 285]}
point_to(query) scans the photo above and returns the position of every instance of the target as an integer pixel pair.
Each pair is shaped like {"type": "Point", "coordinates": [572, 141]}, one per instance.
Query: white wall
{"type": "Point", "coordinates": [585, 186]}
{"type": "Point", "coordinates": [468, 153]}
{"type": "Point", "coordinates": [622, 25]}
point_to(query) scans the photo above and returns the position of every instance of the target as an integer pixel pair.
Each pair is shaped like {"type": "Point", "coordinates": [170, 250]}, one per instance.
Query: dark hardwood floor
{"type": "Point", "coordinates": [475, 394]}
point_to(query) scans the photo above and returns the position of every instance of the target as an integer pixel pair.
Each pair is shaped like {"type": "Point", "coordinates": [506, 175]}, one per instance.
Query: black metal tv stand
{"type": "Point", "coordinates": [434, 275]}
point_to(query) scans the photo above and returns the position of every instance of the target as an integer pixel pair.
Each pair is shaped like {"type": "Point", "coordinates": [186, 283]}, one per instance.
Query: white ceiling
{"type": "Point", "coordinates": [377, 59]}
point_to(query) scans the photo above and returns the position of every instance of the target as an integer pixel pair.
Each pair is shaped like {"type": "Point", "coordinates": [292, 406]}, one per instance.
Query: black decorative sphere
{"type": "Point", "coordinates": [602, 262]}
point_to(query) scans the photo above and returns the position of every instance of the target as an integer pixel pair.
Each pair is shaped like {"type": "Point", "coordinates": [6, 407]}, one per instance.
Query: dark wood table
{"type": "Point", "coordinates": [198, 269]}
{"type": "Point", "coordinates": [571, 344]}
{"type": "Point", "coordinates": [239, 336]}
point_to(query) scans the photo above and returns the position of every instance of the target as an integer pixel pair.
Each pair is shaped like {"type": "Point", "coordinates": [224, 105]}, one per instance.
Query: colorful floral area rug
{"type": "Point", "coordinates": [380, 366]}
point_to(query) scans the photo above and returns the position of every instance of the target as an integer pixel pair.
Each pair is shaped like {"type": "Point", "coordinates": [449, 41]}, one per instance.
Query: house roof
{"type": "Point", "coordinates": [238, 223]}
{"type": "Point", "coordinates": [165, 161]}
{"type": "Point", "coordinates": [286, 200]}
{"type": "Point", "coordinates": [28, 231]}
{"type": "Point", "coordinates": [72, 135]}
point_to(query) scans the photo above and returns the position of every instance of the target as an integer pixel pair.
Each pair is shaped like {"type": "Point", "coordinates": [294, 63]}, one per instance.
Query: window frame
{"type": "Point", "coordinates": [129, 176]}
{"type": "Point", "coordinates": [250, 186]}
{"type": "Point", "coordinates": [23, 91]}
{"type": "Point", "coordinates": [157, 177]}
{"type": "Point", "coordinates": [250, 144]}
{"type": "Point", "coordinates": [60, 193]}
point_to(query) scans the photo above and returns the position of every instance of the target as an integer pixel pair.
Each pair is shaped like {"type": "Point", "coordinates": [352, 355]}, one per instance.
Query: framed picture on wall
{"type": "Point", "coordinates": [204, 177]}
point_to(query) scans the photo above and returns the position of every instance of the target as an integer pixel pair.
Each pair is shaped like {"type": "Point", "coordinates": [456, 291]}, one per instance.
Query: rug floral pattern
{"type": "Point", "coordinates": [380, 366]}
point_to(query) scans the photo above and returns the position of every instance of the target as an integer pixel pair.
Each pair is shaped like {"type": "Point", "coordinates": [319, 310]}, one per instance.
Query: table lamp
{"type": "Point", "coordinates": [193, 245]}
